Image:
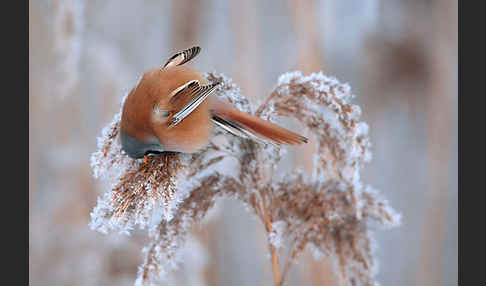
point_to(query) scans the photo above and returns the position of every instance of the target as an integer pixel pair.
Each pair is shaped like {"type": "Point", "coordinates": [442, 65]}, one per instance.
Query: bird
{"type": "Point", "coordinates": [170, 110]}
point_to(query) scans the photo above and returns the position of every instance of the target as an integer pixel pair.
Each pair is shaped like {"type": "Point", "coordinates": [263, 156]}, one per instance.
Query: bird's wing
{"type": "Point", "coordinates": [189, 96]}
{"type": "Point", "coordinates": [248, 126]}
{"type": "Point", "coordinates": [182, 57]}
{"type": "Point", "coordinates": [236, 129]}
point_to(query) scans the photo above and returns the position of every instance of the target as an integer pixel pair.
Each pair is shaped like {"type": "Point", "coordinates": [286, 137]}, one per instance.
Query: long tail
{"type": "Point", "coordinates": [245, 125]}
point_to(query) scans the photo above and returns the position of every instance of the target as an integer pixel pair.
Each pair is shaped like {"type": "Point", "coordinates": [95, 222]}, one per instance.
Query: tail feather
{"type": "Point", "coordinates": [257, 125]}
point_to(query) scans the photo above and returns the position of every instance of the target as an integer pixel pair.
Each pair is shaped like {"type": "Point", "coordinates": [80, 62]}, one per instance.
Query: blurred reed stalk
{"type": "Point", "coordinates": [248, 47]}
{"type": "Point", "coordinates": [440, 93]}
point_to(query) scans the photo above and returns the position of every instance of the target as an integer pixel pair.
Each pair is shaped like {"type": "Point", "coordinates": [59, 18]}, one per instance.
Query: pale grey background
{"type": "Point", "coordinates": [400, 58]}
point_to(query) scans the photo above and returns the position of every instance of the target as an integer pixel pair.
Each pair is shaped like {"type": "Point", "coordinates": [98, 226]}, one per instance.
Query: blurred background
{"type": "Point", "coordinates": [400, 58]}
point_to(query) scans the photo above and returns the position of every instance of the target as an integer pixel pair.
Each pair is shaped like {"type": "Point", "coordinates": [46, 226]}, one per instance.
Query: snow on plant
{"type": "Point", "coordinates": [329, 211]}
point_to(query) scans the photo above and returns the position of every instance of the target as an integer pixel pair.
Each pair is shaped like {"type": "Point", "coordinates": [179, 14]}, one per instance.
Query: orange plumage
{"type": "Point", "coordinates": [170, 110]}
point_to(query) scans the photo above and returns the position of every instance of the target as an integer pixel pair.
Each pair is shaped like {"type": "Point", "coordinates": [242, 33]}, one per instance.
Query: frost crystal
{"type": "Point", "coordinates": [329, 210]}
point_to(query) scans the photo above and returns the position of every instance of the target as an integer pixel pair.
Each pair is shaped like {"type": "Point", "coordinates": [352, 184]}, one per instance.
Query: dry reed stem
{"type": "Point", "coordinates": [268, 227]}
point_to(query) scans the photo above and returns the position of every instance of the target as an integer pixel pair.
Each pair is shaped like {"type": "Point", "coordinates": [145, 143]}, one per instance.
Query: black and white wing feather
{"type": "Point", "coordinates": [238, 130]}
{"type": "Point", "coordinates": [191, 95]}
{"type": "Point", "coordinates": [182, 57]}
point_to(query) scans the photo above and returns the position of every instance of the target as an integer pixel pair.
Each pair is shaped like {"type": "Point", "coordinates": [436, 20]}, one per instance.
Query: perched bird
{"type": "Point", "coordinates": [170, 110]}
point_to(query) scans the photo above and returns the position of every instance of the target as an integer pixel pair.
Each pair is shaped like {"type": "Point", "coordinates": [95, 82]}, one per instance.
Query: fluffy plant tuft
{"type": "Point", "coordinates": [329, 210]}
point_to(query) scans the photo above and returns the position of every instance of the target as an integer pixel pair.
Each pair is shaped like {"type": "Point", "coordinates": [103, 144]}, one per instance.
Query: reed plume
{"type": "Point", "coordinates": [330, 211]}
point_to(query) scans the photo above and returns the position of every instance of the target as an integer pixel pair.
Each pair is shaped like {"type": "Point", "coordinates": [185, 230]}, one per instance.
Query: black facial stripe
{"type": "Point", "coordinates": [136, 148]}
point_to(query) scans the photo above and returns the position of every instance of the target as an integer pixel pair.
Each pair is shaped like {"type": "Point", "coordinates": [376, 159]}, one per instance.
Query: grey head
{"type": "Point", "coordinates": [138, 149]}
